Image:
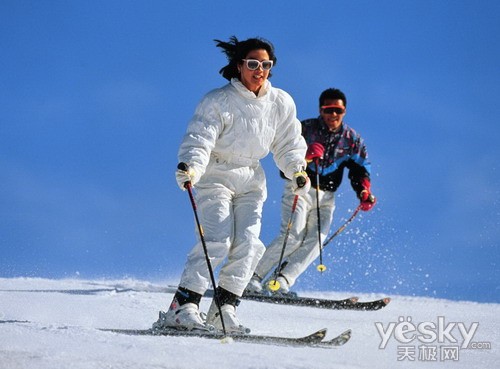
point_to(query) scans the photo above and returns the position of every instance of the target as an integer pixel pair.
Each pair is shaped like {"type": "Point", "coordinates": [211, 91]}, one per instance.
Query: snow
{"type": "Point", "coordinates": [52, 324]}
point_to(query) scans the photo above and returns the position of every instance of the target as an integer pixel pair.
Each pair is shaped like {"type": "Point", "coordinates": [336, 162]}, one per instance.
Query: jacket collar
{"type": "Point", "coordinates": [240, 87]}
{"type": "Point", "coordinates": [326, 130]}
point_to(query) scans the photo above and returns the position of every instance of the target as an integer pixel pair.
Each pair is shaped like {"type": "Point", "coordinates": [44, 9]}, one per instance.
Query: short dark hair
{"type": "Point", "coordinates": [236, 51]}
{"type": "Point", "coordinates": [332, 94]}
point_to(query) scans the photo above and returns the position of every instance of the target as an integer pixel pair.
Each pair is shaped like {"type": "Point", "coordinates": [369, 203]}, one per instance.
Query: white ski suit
{"type": "Point", "coordinates": [231, 130]}
{"type": "Point", "coordinates": [302, 246]}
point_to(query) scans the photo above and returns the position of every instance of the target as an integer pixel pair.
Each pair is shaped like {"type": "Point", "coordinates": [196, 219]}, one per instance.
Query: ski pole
{"type": "Point", "coordinates": [274, 285]}
{"type": "Point", "coordinates": [321, 267]}
{"type": "Point", "coordinates": [188, 187]}
{"type": "Point", "coordinates": [342, 227]}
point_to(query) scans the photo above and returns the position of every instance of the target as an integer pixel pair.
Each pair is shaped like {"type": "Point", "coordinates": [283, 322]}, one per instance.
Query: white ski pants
{"type": "Point", "coordinates": [302, 246]}
{"type": "Point", "coordinates": [229, 199]}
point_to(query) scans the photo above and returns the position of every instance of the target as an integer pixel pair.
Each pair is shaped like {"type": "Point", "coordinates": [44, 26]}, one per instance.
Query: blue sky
{"type": "Point", "coordinates": [95, 97]}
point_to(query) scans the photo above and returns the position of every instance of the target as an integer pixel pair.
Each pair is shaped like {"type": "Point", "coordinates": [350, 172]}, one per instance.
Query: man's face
{"type": "Point", "coordinates": [332, 112]}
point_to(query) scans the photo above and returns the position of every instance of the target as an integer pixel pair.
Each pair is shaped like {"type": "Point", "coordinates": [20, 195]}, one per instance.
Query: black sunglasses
{"type": "Point", "coordinates": [331, 110]}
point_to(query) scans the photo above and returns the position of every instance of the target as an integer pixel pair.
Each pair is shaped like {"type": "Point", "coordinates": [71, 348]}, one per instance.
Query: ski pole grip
{"type": "Point", "coordinates": [183, 166]}
{"type": "Point", "coordinates": [301, 181]}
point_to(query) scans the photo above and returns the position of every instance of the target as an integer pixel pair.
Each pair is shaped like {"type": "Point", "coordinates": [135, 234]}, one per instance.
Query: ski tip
{"type": "Point", "coordinates": [318, 335]}
{"type": "Point", "coordinates": [321, 333]}
{"type": "Point", "coordinates": [386, 300]}
{"type": "Point", "coordinates": [341, 339]}
{"type": "Point", "coordinates": [346, 335]}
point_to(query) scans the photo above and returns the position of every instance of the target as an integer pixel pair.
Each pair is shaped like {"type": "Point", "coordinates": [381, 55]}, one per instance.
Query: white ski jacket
{"type": "Point", "coordinates": [233, 124]}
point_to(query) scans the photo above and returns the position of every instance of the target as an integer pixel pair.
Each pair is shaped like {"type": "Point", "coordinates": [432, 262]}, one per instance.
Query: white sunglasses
{"type": "Point", "coordinates": [254, 64]}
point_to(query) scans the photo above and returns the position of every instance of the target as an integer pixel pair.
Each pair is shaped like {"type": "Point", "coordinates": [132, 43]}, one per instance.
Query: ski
{"type": "Point", "coordinates": [316, 339]}
{"type": "Point", "coordinates": [351, 303]}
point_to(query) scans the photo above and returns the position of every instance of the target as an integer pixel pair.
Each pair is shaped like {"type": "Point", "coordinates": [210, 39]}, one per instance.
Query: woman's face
{"type": "Point", "coordinates": [254, 79]}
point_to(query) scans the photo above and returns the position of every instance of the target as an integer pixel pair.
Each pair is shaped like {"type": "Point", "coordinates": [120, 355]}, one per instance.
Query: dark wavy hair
{"type": "Point", "coordinates": [237, 50]}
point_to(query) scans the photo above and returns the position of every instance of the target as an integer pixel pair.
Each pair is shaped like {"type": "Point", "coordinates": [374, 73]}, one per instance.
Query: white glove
{"type": "Point", "coordinates": [188, 175]}
{"type": "Point", "coordinates": [301, 183]}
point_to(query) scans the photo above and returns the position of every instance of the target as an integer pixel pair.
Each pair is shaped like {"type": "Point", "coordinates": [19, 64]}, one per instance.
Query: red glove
{"type": "Point", "coordinates": [315, 151]}
{"type": "Point", "coordinates": [366, 198]}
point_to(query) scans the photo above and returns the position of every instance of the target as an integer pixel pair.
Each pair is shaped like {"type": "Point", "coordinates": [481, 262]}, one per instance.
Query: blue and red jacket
{"type": "Point", "coordinates": [343, 149]}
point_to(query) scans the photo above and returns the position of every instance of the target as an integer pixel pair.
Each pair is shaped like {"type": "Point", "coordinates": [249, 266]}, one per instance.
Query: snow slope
{"type": "Point", "coordinates": [52, 324]}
